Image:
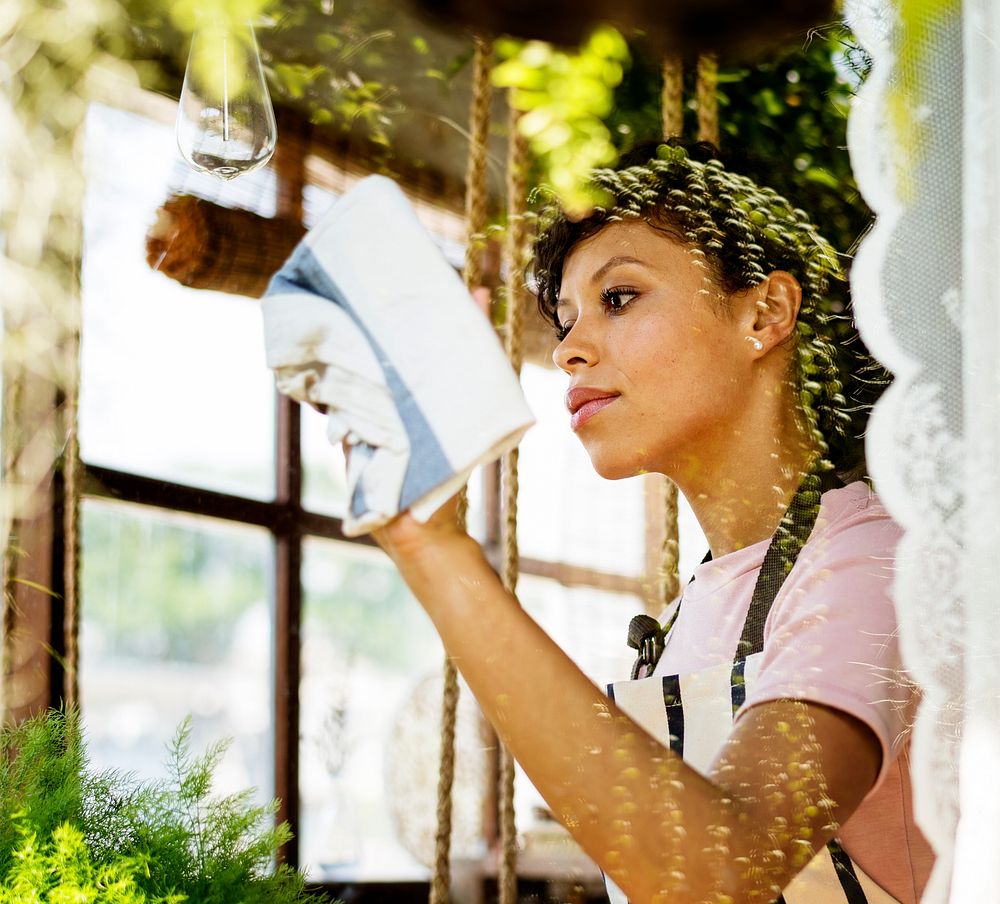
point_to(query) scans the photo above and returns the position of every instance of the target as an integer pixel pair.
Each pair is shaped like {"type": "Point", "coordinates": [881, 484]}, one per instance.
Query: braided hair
{"type": "Point", "coordinates": [744, 232]}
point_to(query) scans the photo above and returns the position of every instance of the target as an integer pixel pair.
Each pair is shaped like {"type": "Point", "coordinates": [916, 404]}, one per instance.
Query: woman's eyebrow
{"type": "Point", "coordinates": [614, 262]}
{"type": "Point", "coordinates": [609, 264]}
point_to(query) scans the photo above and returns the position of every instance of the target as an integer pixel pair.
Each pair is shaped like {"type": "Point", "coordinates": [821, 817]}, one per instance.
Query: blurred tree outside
{"type": "Point", "coordinates": [173, 589]}
{"type": "Point", "coordinates": [372, 71]}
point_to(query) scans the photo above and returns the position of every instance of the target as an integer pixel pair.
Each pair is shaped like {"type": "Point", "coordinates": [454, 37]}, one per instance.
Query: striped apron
{"type": "Point", "coordinates": [693, 715]}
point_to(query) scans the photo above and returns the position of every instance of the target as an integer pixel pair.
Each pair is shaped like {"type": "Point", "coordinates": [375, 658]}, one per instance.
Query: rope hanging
{"type": "Point", "coordinates": [668, 578]}
{"type": "Point", "coordinates": [516, 249]}
{"type": "Point", "coordinates": [476, 194]}
{"type": "Point", "coordinates": [475, 211]}
{"type": "Point", "coordinates": [708, 98]}
{"type": "Point", "coordinates": [706, 94]}
{"type": "Point", "coordinates": [672, 104]}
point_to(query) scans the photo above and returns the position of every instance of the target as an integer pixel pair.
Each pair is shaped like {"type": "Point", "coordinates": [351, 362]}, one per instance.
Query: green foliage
{"type": "Point", "coordinates": [343, 65]}
{"type": "Point", "coordinates": [215, 850]}
{"type": "Point", "coordinates": [189, 14]}
{"type": "Point", "coordinates": [565, 98]}
{"type": "Point", "coordinates": [42, 765]}
{"type": "Point", "coordinates": [190, 844]}
{"type": "Point", "coordinates": [358, 66]}
{"type": "Point", "coordinates": [783, 122]}
{"type": "Point", "coordinates": [61, 871]}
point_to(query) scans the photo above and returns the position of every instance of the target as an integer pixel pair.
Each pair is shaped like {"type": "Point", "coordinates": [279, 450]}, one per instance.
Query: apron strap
{"type": "Point", "coordinates": [647, 637]}
{"type": "Point", "coordinates": [781, 555]}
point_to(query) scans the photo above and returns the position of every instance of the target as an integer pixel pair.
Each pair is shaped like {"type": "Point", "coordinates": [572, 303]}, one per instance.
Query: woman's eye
{"type": "Point", "coordinates": [562, 331]}
{"type": "Point", "coordinates": [616, 299]}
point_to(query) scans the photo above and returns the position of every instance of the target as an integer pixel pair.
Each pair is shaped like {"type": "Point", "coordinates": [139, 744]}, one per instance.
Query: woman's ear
{"type": "Point", "coordinates": [776, 301]}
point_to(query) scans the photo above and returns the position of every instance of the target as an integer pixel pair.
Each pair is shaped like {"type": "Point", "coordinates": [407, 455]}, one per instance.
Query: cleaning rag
{"type": "Point", "coordinates": [368, 321]}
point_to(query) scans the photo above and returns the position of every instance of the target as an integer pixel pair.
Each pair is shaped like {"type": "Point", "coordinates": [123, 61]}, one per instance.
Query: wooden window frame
{"type": "Point", "coordinates": [37, 618]}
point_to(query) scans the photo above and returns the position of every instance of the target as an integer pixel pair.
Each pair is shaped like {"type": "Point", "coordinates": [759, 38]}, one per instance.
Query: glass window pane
{"type": "Point", "coordinates": [591, 626]}
{"type": "Point", "coordinates": [176, 622]}
{"type": "Point", "coordinates": [174, 379]}
{"type": "Point", "coordinates": [324, 484]}
{"type": "Point", "coordinates": [370, 695]}
{"type": "Point", "coordinates": [566, 512]}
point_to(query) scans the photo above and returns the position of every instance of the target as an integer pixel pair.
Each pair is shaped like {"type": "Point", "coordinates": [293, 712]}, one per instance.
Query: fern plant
{"type": "Point", "coordinates": [192, 845]}
{"type": "Point", "coordinates": [61, 870]}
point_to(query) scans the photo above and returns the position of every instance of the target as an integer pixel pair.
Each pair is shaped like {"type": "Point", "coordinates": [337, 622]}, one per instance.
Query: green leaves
{"type": "Point", "coordinates": [61, 871]}
{"type": "Point", "coordinates": [68, 836]}
{"type": "Point", "coordinates": [565, 98]}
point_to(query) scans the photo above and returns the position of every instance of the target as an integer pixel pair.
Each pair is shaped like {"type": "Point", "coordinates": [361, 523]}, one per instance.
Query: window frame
{"type": "Point", "coordinates": [286, 519]}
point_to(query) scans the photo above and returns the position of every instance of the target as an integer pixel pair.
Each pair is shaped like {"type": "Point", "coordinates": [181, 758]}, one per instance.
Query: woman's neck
{"type": "Point", "coordinates": [740, 490]}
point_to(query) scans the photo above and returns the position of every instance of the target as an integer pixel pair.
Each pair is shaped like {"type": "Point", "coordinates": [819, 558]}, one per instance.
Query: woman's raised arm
{"type": "Point", "coordinates": [790, 774]}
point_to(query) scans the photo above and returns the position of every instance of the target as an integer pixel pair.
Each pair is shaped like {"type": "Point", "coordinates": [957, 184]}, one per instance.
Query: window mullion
{"type": "Point", "coordinates": [287, 620]}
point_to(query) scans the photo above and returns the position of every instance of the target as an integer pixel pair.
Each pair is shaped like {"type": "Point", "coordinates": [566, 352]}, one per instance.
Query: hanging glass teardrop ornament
{"type": "Point", "coordinates": [225, 121]}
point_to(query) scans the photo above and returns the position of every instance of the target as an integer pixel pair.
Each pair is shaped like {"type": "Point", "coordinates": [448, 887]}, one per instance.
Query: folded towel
{"type": "Point", "coordinates": [369, 321]}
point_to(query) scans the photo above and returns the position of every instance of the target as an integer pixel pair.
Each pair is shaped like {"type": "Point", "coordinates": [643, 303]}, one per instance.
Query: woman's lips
{"type": "Point", "coordinates": [585, 401]}
{"type": "Point", "coordinates": [587, 410]}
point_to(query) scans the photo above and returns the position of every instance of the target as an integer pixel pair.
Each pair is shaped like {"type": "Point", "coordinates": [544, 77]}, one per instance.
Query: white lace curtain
{"type": "Point", "coordinates": [925, 144]}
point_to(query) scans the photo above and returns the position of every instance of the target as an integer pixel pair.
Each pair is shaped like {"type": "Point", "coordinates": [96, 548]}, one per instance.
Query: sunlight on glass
{"type": "Point", "coordinates": [174, 380]}
{"type": "Point", "coordinates": [177, 621]}
{"type": "Point", "coordinates": [366, 646]}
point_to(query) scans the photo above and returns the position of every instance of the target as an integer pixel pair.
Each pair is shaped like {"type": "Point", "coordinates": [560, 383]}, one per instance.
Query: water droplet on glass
{"type": "Point", "coordinates": [225, 121]}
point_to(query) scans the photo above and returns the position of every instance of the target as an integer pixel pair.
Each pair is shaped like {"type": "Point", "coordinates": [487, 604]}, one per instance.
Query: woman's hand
{"type": "Point", "coordinates": [406, 539]}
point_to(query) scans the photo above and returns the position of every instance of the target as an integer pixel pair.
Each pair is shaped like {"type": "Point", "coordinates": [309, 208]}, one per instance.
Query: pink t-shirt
{"type": "Point", "coordinates": [830, 638]}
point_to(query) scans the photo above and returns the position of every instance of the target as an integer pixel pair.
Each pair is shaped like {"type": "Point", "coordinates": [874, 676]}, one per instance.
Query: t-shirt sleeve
{"type": "Point", "coordinates": [831, 636]}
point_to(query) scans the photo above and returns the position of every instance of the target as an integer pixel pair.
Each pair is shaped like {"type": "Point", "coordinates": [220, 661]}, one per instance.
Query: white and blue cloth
{"type": "Point", "coordinates": [368, 321]}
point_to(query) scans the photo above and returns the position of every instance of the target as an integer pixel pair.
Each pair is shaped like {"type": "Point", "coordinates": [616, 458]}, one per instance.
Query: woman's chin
{"type": "Point", "coordinates": [617, 466]}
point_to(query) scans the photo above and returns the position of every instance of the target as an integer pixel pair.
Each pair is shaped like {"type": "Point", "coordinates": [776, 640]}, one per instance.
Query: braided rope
{"type": "Point", "coordinates": [477, 195]}
{"type": "Point", "coordinates": [446, 777]}
{"type": "Point", "coordinates": [708, 98]}
{"type": "Point", "coordinates": [668, 582]}
{"type": "Point", "coordinates": [475, 210]}
{"type": "Point", "coordinates": [71, 531]}
{"type": "Point", "coordinates": [672, 102]}
{"type": "Point", "coordinates": [516, 250]}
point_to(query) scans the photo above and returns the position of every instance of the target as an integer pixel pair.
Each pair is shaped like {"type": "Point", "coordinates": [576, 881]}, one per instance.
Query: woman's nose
{"type": "Point", "coordinates": [577, 348]}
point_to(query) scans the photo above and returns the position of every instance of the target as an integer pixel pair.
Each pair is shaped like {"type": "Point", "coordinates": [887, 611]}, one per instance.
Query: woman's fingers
{"type": "Point", "coordinates": [481, 296]}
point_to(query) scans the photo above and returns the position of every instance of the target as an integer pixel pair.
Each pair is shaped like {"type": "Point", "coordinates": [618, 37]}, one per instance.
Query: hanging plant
{"type": "Point", "coordinates": [565, 98]}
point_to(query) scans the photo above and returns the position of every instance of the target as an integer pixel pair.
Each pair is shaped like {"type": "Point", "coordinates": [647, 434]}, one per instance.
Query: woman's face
{"type": "Point", "coordinates": [658, 357]}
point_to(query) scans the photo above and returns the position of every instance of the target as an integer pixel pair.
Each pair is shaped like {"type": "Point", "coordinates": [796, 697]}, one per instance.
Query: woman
{"type": "Point", "coordinates": [697, 328]}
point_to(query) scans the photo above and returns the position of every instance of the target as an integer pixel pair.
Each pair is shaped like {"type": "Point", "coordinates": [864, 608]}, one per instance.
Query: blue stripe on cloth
{"type": "Point", "coordinates": [429, 467]}
{"type": "Point", "coordinates": [674, 708]}
{"type": "Point", "coordinates": [853, 891]}
{"type": "Point", "coordinates": [611, 693]}
{"type": "Point", "coordinates": [359, 504]}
